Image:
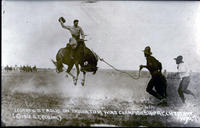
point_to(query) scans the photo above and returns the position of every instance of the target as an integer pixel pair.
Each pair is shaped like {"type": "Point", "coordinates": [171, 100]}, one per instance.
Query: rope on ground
{"type": "Point", "coordinates": [101, 59]}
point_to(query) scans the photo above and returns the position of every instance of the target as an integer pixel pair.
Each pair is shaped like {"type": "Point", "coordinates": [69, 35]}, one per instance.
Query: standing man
{"type": "Point", "coordinates": [157, 79]}
{"type": "Point", "coordinates": [184, 75]}
{"type": "Point", "coordinates": [75, 31]}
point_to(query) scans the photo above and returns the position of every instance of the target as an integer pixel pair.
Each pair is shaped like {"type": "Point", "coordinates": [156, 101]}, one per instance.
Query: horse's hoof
{"type": "Point", "coordinates": [75, 81]}
{"type": "Point", "coordinates": [82, 83]}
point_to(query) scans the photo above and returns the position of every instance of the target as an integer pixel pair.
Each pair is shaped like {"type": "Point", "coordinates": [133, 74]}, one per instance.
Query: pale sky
{"type": "Point", "coordinates": [117, 31]}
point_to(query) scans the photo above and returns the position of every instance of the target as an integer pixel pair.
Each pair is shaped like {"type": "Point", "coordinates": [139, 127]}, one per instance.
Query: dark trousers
{"type": "Point", "coordinates": [160, 83]}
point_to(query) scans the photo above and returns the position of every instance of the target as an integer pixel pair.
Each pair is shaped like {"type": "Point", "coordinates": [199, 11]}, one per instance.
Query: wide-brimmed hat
{"type": "Point", "coordinates": [61, 19]}
{"type": "Point", "coordinates": [179, 59]}
{"type": "Point", "coordinates": [147, 50]}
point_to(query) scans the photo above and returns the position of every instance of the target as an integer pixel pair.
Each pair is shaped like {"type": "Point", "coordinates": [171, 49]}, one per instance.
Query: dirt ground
{"type": "Point", "coordinates": [109, 98]}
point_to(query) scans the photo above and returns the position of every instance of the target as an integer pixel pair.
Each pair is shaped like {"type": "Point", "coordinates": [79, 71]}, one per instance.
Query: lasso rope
{"type": "Point", "coordinates": [101, 59]}
{"type": "Point", "coordinates": [121, 71]}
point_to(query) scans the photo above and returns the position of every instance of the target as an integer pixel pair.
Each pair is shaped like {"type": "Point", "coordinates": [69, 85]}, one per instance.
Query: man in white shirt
{"type": "Point", "coordinates": [184, 75]}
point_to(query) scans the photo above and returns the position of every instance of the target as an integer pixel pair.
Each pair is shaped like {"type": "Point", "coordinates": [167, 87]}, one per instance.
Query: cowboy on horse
{"type": "Point", "coordinates": [75, 31]}
{"type": "Point", "coordinates": [75, 53]}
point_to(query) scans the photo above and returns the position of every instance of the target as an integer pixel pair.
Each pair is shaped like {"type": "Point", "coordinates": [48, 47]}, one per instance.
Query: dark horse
{"type": "Point", "coordinates": [83, 56]}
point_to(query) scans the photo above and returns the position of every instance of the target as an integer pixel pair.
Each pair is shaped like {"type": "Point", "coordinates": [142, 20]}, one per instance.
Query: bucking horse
{"type": "Point", "coordinates": [82, 56]}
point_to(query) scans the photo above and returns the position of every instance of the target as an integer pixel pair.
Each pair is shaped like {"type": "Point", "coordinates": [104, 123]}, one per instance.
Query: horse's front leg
{"type": "Point", "coordinates": [68, 71]}
{"type": "Point", "coordinates": [77, 72]}
{"type": "Point", "coordinates": [83, 80]}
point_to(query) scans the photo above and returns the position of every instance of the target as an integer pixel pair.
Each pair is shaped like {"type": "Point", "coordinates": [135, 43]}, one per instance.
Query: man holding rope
{"type": "Point", "coordinates": [157, 79]}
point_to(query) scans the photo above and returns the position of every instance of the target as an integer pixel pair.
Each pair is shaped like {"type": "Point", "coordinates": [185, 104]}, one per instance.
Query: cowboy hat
{"type": "Point", "coordinates": [147, 50]}
{"type": "Point", "coordinates": [61, 19]}
{"type": "Point", "coordinates": [179, 59]}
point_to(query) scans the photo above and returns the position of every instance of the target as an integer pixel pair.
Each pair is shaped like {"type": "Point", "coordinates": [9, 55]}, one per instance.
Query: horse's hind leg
{"type": "Point", "coordinates": [77, 74]}
{"type": "Point", "coordinates": [83, 80]}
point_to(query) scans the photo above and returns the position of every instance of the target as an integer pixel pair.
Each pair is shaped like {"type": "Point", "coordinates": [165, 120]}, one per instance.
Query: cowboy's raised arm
{"type": "Point", "coordinates": [63, 26]}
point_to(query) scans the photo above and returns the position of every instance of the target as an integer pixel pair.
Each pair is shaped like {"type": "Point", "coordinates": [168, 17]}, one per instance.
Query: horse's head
{"type": "Point", "coordinates": [59, 67]}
